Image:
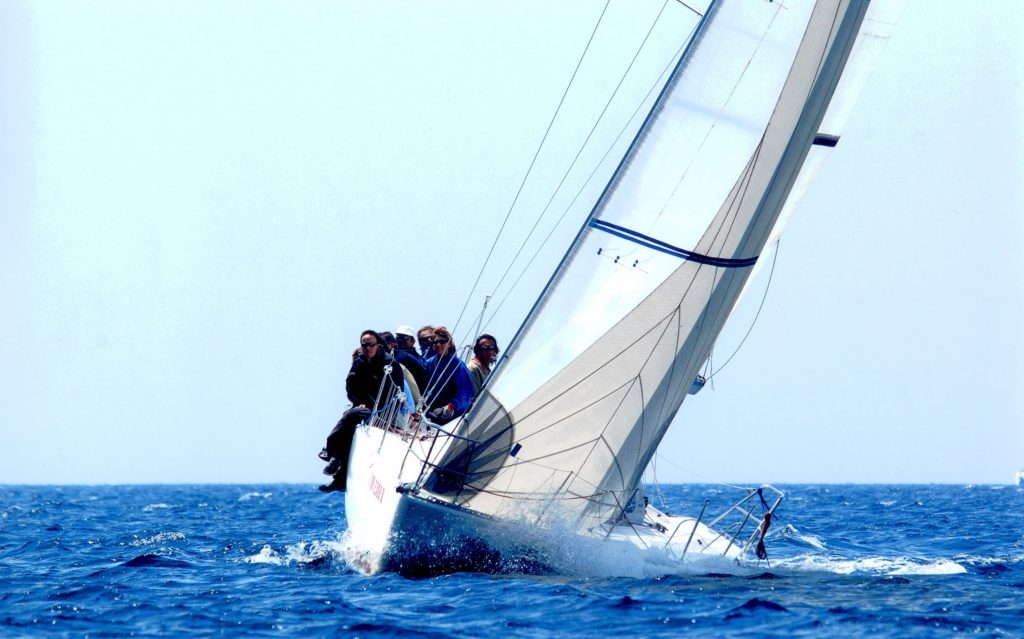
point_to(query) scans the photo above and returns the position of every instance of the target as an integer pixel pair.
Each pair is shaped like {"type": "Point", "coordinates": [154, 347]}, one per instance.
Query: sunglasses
{"type": "Point", "coordinates": [368, 344]}
{"type": "Point", "coordinates": [489, 348]}
{"type": "Point", "coordinates": [440, 340]}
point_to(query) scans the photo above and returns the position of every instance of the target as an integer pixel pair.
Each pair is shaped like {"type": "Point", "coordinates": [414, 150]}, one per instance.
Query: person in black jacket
{"type": "Point", "coordinates": [405, 353]}
{"type": "Point", "coordinates": [369, 386]}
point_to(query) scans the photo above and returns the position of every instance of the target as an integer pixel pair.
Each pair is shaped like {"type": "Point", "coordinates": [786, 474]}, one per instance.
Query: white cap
{"type": "Point", "coordinates": [405, 330]}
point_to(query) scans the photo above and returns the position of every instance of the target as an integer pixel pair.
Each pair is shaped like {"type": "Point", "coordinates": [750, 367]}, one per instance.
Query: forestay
{"type": "Point", "coordinates": [575, 411]}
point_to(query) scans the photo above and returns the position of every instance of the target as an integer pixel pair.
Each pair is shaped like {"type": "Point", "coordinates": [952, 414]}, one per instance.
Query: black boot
{"type": "Point", "coordinates": [337, 484]}
{"type": "Point", "coordinates": [332, 466]}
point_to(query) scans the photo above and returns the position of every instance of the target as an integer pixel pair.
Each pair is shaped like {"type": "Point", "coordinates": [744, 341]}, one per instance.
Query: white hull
{"type": "Point", "coordinates": [392, 527]}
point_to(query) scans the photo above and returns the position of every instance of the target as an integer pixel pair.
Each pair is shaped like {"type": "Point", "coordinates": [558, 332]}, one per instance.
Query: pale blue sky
{"type": "Point", "coordinates": [203, 204]}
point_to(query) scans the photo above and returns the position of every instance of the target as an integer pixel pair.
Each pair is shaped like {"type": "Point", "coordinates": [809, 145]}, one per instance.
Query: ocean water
{"type": "Point", "coordinates": [845, 561]}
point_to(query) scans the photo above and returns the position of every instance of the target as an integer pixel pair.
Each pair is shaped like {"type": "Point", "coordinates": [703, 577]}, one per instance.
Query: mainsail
{"type": "Point", "coordinates": [586, 391]}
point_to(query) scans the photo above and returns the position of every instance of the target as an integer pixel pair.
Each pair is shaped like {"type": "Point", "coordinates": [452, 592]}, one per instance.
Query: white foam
{"type": "Point", "coordinates": [872, 565]}
{"type": "Point", "coordinates": [298, 554]}
{"type": "Point", "coordinates": [158, 538]}
{"type": "Point", "coordinates": [813, 541]}
{"type": "Point", "coordinates": [937, 567]}
{"type": "Point", "coordinates": [158, 506]}
{"type": "Point", "coordinates": [314, 551]}
{"type": "Point", "coordinates": [266, 555]}
{"type": "Point", "coordinates": [1002, 559]}
{"type": "Point", "coordinates": [790, 532]}
{"type": "Point", "coordinates": [567, 552]}
{"type": "Point", "coordinates": [254, 495]}
{"type": "Point", "coordinates": [622, 559]}
{"type": "Point", "coordinates": [564, 550]}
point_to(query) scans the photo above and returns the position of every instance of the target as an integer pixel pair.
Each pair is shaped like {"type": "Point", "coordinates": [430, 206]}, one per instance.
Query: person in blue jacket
{"type": "Point", "coordinates": [449, 390]}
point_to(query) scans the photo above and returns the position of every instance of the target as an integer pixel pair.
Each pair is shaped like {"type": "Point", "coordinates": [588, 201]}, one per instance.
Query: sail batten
{"type": "Point", "coordinates": [607, 357]}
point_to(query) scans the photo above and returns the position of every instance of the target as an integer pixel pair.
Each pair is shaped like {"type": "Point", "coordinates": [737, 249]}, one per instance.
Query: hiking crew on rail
{"type": "Point", "coordinates": [441, 385]}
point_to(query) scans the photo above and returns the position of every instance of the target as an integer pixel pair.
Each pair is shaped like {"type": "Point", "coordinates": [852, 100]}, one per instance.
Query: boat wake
{"type": "Point", "coordinates": [803, 552]}
{"type": "Point", "coordinates": [879, 566]}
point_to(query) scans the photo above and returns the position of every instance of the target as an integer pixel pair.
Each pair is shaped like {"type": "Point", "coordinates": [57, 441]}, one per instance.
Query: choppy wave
{"type": "Point", "coordinates": [789, 532]}
{"type": "Point", "coordinates": [153, 560]}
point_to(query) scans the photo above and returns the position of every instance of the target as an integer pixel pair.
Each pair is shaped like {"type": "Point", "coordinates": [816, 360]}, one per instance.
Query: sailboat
{"type": "Point", "coordinates": [555, 445]}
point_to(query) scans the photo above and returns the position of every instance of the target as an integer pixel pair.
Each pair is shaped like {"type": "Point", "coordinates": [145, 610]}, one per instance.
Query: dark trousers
{"type": "Point", "coordinates": [339, 442]}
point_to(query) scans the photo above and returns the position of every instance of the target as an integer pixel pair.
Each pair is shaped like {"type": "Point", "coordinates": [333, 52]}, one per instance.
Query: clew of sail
{"type": "Point", "coordinates": [586, 391]}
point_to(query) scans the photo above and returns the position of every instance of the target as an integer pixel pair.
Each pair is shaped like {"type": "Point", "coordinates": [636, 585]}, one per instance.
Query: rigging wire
{"type": "Point", "coordinates": [764, 297]}
{"type": "Point", "coordinates": [583, 145]}
{"type": "Point", "coordinates": [705, 478]}
{"type": "Point", "coordinates": [590, 177]}
{"type": "Point", "coordinates": [529, 169]}
{"type": "Point", "coordinates": [690, 8]}
{"type": "Point", "coordinates": [657, 484]}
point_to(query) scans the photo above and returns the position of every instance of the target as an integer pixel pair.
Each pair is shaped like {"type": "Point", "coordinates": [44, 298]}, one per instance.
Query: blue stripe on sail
{"type": "Point", "coordinates": [658, 245]}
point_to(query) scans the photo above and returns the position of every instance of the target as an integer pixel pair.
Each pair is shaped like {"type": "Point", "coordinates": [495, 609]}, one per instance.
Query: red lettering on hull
{"type": "Point", "coordinates": [376, 488]}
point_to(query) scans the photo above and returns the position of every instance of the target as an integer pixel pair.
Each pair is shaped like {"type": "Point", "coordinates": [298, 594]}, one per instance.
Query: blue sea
{"type": "Point", "coordinates": [269, 560]}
